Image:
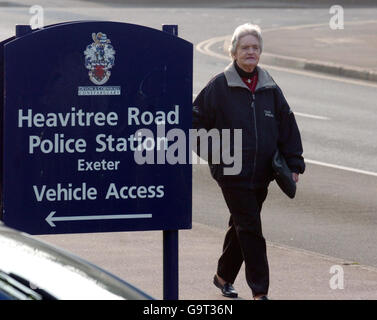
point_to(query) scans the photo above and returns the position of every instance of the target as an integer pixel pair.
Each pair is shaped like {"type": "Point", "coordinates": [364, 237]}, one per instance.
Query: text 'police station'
{"type": "Point", "coordinates": [59, 143]}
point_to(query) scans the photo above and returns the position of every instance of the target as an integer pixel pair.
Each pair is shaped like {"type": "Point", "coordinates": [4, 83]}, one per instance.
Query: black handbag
{"type": "Point", "coordinates": [283, 175]}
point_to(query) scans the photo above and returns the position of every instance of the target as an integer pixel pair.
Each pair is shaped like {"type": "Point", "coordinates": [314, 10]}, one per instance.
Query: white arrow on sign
{"type": "Point", "coordinates": [50, 218]}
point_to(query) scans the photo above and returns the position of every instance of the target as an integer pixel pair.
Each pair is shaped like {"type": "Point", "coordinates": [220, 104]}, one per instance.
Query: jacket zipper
{"type": "Point", "coordinates": [256, 136]}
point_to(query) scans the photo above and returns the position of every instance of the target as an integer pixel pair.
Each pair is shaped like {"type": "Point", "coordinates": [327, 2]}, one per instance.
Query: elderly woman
{"type": "Point", "coordinates": [246, 97]}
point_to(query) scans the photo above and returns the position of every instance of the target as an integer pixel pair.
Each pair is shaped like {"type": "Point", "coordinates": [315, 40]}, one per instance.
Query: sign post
{"type": "Point", "coordinates": [170, 238]}
{"type": "Point", "coordinates": [96, 122]}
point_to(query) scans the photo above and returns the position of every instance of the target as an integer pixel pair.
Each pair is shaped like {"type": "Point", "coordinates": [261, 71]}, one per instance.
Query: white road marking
{"type": "Point", "coordinates": [335, 166]}
{"type": "Point", "coordinates": [300, 114]}
{"type": "Point", "coordinates": [197, 160]}
{"type": "Point", "coordinates": [311, 116]}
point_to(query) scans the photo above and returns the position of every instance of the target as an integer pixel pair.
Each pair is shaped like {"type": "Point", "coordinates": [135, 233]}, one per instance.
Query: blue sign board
{"type": "Point", "coordinates": [95, 137]}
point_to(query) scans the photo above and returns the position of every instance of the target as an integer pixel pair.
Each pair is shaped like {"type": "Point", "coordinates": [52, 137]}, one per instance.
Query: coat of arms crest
{"type": "Point", "coordinates": [99, 58]}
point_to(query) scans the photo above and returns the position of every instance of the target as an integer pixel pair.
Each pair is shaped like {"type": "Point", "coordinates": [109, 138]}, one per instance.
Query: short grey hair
{"type": "Point", "coordinates": [244, 30]}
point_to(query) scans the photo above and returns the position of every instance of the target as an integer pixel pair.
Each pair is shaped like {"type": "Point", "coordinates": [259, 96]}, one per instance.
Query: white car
{"type": "Point", "coordinates": [34, 270]}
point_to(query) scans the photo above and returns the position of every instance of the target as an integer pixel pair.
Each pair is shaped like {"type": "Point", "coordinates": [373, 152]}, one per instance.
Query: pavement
{"type": "Point", "coordinates": [295, 274]}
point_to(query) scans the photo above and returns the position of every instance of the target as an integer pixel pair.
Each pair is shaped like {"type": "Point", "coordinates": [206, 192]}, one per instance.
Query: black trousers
{"type": "Point", "coordinates": [244, 240]}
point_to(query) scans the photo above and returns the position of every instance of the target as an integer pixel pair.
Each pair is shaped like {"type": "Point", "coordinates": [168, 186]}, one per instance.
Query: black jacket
{"type": "Point", "coordinates": [265, 118]}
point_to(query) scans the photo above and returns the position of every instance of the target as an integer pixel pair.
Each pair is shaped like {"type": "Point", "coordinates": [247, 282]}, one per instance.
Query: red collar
{"type": "Point", "coordinates": [251, 82]}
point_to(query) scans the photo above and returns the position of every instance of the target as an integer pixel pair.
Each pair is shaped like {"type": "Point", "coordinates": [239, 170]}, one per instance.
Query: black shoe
{"type": "Point", "coordinates": [227, 289]}
{"type": "Point", "coordinates": [262, 298]}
